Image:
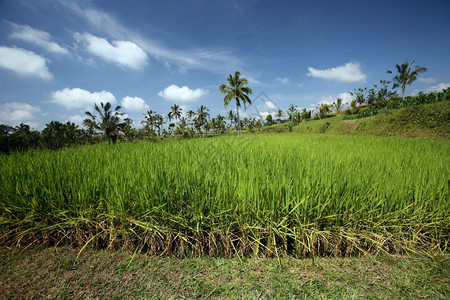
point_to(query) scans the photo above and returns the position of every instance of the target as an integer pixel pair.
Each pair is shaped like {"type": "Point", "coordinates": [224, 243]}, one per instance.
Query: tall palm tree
{"type": "Point", "coordinates": [237, 91]}
{"type": "Point", "coordinates": [202, 117]}
{"type": "Point", "coordinates": [406, 76]}
{"type": "Point", "coordinates": [149, 122]}
{"type": "Point", "coordinates": [175, 112]}
{"type": "Point", "coordinates": [108, 120]}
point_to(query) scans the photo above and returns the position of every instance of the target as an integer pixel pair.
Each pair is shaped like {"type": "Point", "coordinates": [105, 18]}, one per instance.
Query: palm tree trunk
{"type": "Point", "coordinates": [238, 121]}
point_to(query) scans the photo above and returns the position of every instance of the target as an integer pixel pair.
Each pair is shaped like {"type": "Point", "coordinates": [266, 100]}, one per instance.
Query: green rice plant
{"type": "Point", "coordinates": [285, 194]}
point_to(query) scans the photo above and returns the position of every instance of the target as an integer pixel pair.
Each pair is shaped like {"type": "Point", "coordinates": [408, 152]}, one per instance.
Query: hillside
{"type": "Point", "coordinates": [424, 121]}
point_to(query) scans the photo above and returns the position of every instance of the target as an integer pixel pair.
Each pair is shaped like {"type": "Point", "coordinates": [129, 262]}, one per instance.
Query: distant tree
{"type": "Point", "coordinates": [293, 114]}
{"type": "Point", "coordinates": [218, 124]}
{"type": "Point", "coordinates": [232, 118]}
{"type": "Point", "coordinates": [269, 120]}
{"type": "Point", "coordinates": [279, 114]}
{"type": "Point", "coordinates": [201, 119]}
{"type": "Point", "coordinates": [237, 91]}
{"type": "Point", "coordinates": [324, 109]}
{"type": "Point", "coordinates": [359, 95]}
{"type": "Point", "coordinates": [107, 120]}
{"type": "Point", "coordinates": [337, 105]}
{"type": "Point", "coordinates": [305, 115]}
{"type": "Point", "coordinates": [130, 133]}
{"type": "Point", "coordinates": [406, 76]}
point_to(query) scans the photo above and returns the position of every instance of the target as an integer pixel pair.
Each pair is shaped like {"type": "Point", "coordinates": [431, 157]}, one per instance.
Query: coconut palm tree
{"type": "Point", "coordinates": [406, 76]}
{"type": "Point", "coordinates": [201, 117]}
{"type": "Point", "coordinates": [175, 112]}
{"type": "Point", "coordinates": [337, 105]}
{"type": "Point", "coordinates": [107, 121]}
{"type": "Point", "coordinates": [279, 114]}
{"type": "Point", "coordinates": [232, 117]}
{"type": "Point", "coordinates": [237, 91]}
{"type": "Point", "coordinates": [359, 94]}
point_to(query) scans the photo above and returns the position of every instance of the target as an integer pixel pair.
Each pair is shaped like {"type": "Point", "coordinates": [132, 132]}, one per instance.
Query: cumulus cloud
{"type": "Point", "coordinates": [123, 53]}
{"type": "Point", "coordinates": [350, 72]}
{"type": "Point", "coordinates": [176, 93]}
{"type": "Point", "coordinates": [134, 104]}
{"type": "Point", "coordinates": [282, 80]}
{"type": "Point", "coordinates": [267, 106]}
{"type": "Point", "coordinates": [37, 37]}
{"type": "Point", "coordinates": [24, 62]}
{"type": "Point", "coordinates": [77, 119]}
{"type": "Point", "coordinates": [14, 113]}
{"type": "Point", "coordinates": [79, 98]}
{"type": "Point", "coordinates": [431, 89]}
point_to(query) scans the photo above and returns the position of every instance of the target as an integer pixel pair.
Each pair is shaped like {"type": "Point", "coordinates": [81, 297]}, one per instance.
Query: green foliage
{"type": "Point", "coordinates": [270, 195]}
{"type": "Point", "coordinates": [238, 91]}
{"type": "Point", "coordinates": [406, 76]}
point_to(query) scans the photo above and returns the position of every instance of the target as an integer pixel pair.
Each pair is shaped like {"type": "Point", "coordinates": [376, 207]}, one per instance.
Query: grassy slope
{"type": "Point", "coordinates": [58, 273]}
{"type": "Point", "coordinates": [424, 121]}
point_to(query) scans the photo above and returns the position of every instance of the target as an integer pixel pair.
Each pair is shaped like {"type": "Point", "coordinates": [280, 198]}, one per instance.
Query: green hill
{"type": "Point", "coordinates": [424, 121]}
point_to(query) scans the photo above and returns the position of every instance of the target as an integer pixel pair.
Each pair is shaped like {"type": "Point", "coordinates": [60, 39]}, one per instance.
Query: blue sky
{"type": "Point", "coordinates": [58, 58]}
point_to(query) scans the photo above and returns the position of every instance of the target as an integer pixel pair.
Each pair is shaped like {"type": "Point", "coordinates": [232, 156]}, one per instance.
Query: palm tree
{"type": "Point", "coordinates": [279, 115]}
{"type": "Point", "coordinates": [202, 117]}
{"type": "Point", "coordinates": [149, 123]}
{"type": "Point", "coordinates": [231, 117]}
{"type": "Point", "coordinates": [324, 109]}
{"type": "Point", "coordinates": [338, 105]}
{"type": "Point", "coordinates": [359, 94]}
{"type": "Point", "coordinates": [237, 91]}
{"type": "Point", "coordinates": [181, 128]}
{"type": "Point", "coordinates": [406, 76]}
{"type": "Point", "coordinates": [175, 112]}
{"type": "Point", "coordinates": [108, 120]}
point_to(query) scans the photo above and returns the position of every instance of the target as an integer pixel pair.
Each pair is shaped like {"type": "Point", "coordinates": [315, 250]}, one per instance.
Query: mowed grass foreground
{"type": "Point", "coordinates": [265, 195]}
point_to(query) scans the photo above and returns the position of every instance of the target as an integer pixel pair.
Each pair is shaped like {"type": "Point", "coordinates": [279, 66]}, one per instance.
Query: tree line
{"type": "Point", "coordinates": [107, 124]}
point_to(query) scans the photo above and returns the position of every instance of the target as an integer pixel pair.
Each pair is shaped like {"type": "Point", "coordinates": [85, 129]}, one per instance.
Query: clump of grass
{"type": "Point", "coordinates": [270, 195]}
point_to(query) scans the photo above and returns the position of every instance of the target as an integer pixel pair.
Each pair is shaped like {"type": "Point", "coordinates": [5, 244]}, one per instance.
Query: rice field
{"type": "Point", "coordinates": [263, 195]}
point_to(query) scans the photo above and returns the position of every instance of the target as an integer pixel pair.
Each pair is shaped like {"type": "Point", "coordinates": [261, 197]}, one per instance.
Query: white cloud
{"type": "Point", "coordinates": [426, 80]}
{"type": "Point", "coordinates": [329, 99]}
{"type": "Point", "coordinates": [77, 119]}
{"type": "Point", "coordinates": [79, 98]}
{"type": "Point", "coordinates": [197, 58]}
{"type": "Point", "coordinates": [14, 113]}
{"type": "Point", "coordinates": [282, 80]}
{"type": "Point", "coordinates": [134, 104]}
{"type": "Point", "coordinates": [24, 62]}
{"type": "Point", "coordinates": [123, 53]}
{"type": "Point", "coordinates": [267, 106]}
{"type": "Point", "coordinates": [431, 89]}
{"type": "Point", "coordinates": [176, 93]}
{"type": "Point", "coordinates": [350, 72]}
{"type": "Point", "coordinates": [37, 37]}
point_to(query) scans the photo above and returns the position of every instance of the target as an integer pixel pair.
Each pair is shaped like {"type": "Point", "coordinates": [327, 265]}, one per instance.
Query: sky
{"type": "Point", "coordinates": [59, 57]}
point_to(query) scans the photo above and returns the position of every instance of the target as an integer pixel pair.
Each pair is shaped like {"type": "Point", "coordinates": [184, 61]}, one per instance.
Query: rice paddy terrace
{"type": "Point", "coordinates": [265, 195]}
